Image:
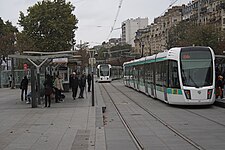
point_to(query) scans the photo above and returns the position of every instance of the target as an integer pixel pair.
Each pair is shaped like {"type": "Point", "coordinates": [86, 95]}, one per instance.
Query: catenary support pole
{"type": "Point", "coordinates": [33, 90]}
{"type": "Point", "coordinates": [92, 76]}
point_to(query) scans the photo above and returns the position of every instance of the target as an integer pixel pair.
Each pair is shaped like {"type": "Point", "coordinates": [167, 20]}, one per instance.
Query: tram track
{"type": "Point", "coordinates": [188, 140]}
{"type": "Point", "coordinates": [126, 125]}
{"type": "Point", "coordinates": [202, 116]}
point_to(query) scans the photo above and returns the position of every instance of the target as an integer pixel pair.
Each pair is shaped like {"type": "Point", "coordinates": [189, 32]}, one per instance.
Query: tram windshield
{"type": "Point", "coordinates": [196, 67]}
{"type": "Point", "coordinates": [104, 70]}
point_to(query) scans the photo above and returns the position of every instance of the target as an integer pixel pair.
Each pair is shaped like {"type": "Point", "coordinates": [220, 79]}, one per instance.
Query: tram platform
{"type": "Point", "coordinates": [220, 102]}
{"type": "Point", "coordinates": [69, 125]}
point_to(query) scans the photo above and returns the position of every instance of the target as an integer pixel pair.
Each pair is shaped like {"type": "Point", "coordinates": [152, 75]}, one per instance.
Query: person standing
{"type": "Point", "coordinates": [219, 87]}
{"type": "Point", "coordinates": [58, 88]}
{"type": "Point", "coordinates": [74, 84]}
{"type": "Point", "coordinates": [10, 81]}
{"type": "Point", "coordinates": [24, 87]}
{"type": "Point", "coordinates": [48, 84]}
{"type": "Point", "coordinates": [82, 84]}
{"type": "Point", "coordinates": [89, 78]}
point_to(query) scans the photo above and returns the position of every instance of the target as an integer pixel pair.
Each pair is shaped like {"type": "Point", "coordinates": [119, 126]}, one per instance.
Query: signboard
{"type": "Point", "coordinates": [60, 60]}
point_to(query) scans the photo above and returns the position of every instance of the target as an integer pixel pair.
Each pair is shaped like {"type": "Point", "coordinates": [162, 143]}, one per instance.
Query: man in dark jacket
{"type": "Point", "coordinates": [74, 84]}
{"type": "Point", "coordinates": [82, 84]}
{"type": "Point", "coordinates": [89, 78]}
{"type": "Point", "coordinates": [48, 84]}
{"type": "Point", "coordinates": [23, 87]}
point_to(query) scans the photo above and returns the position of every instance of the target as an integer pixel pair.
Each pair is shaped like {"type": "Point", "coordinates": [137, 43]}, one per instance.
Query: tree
{"type": "Point", "coordinates": [50, 25]}
{"type": "Point", "coordinates": [102, 53]}
{"type": "Point", "coordinates": [120, 47]}
{"type": "Point", "coordinates": [7, 38]}
{"type": "Point", "coordinates": [188, 34]}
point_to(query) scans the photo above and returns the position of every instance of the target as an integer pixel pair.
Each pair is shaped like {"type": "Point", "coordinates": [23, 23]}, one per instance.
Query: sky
{"type": "Point", "coordinates": [96, 17]}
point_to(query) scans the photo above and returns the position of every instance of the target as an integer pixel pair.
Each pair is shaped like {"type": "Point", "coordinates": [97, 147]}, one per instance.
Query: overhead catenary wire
{"type": "Point", "coordinates": [172, 3]}
{"type": "Point", "coordinates": [117, 14]}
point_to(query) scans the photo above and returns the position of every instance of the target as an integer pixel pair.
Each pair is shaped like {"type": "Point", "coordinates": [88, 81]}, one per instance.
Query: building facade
{"type": "Point", "coordinates": [206, 12]}
{"type": "Point", "coordinates": [130, 27]}
{"type": "Point", "coordinates": [154, 37]}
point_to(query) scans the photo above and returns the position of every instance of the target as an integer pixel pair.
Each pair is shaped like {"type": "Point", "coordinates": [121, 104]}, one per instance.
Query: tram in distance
{"type": "Point", "coordinates": [180, 76]}
{"type": "Point", "coordinates": [107, 72]}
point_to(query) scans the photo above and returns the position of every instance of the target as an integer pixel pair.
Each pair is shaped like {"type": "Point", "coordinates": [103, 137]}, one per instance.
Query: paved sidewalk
{"type": "Point", "coordinates": [70, 125]}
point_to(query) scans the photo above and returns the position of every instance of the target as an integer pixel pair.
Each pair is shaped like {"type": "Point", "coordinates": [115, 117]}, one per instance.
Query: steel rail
{"type": "Point", "coordinates": [197, 146]}
{"type": "Point", "coordinates": [126, 125]}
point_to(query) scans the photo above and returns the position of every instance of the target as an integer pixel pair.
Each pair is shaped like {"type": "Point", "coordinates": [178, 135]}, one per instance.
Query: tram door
{"type": "Point", "coordinates": [138, 78]}
{"type": "Point", "coordinates": [135, 77]}
{"type": "Point", "coordinates": [165, 78]}
{"type": "Point", "coordinates": [146, 78]}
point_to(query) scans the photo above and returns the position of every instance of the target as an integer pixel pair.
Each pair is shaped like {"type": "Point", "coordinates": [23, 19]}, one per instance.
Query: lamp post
{"type": "Point", "coordinates": [92, 61]}
{"type": "Point", "coordinates": [141, 44]}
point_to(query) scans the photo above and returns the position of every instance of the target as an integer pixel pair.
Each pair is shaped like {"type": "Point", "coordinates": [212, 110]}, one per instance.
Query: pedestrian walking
{"type": "Point", "coordinates": [58, 88]}
{"type": "Point", "coordinates": [89, 79]}
{"type": "Point", "coordinates": [82, 84]}
{"type": "Point", "coordinates": [74, 84]}
{"type": "Point", "coordinates": [24, 87]}
{"type": "Point", "coordinates": [48, 84]}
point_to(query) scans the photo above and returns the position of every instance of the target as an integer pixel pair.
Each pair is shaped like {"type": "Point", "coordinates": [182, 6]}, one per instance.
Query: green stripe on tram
{"type": "Point", "coordinates": [161, 59]}
{"type": "Point", "coordinates": [146, 61]}
{"type": "Point", "coordinates": [161, 89]}
{"type": "Point", "coordinates": [174, 91]}
{"type": "Point", "coordinates": [169, 90]}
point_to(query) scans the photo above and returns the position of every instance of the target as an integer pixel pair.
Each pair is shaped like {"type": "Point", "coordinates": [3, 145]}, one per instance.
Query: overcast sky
{"type": "Point", "coordinates": [96, 17]}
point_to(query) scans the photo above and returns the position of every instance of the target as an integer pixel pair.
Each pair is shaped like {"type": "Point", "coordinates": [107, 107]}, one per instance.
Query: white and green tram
{"type": "Point", "coordinates": [107, 72]}
{"type": "Point", "coordinates": [181, 75]}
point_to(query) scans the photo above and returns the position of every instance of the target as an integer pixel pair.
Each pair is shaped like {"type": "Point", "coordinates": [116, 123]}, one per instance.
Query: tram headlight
{"type": "Point", "coordinates": [187, 94]}
{"type": "Point", "coordinates": [209, 94]}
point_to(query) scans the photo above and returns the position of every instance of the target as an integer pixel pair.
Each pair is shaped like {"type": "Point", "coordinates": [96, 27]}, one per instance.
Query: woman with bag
{"type": "Point", "coordinates": [58, 88]}
{"type": "Point", "coordinates": [48, 84]}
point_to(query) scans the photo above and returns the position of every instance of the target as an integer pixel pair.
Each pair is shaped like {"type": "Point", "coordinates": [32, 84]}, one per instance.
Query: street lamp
{"type": "Point", "coordinates": [142, 48]}
{"type": "Point", "coordinates": [92, 61]}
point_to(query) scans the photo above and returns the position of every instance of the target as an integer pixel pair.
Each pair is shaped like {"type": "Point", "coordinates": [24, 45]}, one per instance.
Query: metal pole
{"type": "Point", "coordinates": [13, 74]}
{"type": "Point", "coordinates": [33, 91]}
{"type": "Point", "coordinates": [142, 50]}
{"type": "Point", "coordinates": [38, 85]}
{"type": "Point", "coordinates": [92, 76]}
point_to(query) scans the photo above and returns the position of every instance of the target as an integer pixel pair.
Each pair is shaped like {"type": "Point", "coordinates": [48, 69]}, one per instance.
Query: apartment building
{"type": "Point", "coordinates": [206, 12]}
{"type": "Point", "coordinates": [130, 27]}
{"type": "Point", "coordinates": [153, 39]}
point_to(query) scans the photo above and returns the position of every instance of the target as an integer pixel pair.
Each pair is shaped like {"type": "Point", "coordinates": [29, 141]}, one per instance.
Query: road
{"type": "Point", "coordinates": [156, 125]}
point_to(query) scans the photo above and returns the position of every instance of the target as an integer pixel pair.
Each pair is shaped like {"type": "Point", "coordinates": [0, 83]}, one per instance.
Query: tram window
{"type": "Point", "coordinates": [158, 72]}
{"type": "Point", "coordinates": [151, 73]}
{"type": "Point", "coordinates": [148, 73]}
{"type": "Point", "coordinates": [141, 73]}
{"type": "Point", "coordinates": [164, 73]}
{"type": "Point", "coordinates": [173, 75]}
{"type": "Point", "coordinates": [129, 72]}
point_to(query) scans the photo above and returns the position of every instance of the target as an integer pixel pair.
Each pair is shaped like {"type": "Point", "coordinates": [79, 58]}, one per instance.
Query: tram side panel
{"type": "Point", "coordinates": [169, 82]}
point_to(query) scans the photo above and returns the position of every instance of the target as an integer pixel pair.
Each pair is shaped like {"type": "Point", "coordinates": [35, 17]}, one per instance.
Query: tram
{"type": "Point", "coordinates": [107, 72]}
{"type": "Point", "coordinates": [180, 76]}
